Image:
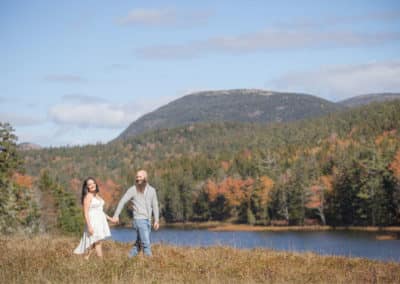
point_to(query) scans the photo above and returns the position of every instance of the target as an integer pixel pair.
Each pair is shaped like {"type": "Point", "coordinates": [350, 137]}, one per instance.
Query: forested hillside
{"type": "Point", "coordinates": [369, 98]}
{"type": "Point", "coordinates": [241, 105]}
{"type": "Point", "coordinates": [340, 169]}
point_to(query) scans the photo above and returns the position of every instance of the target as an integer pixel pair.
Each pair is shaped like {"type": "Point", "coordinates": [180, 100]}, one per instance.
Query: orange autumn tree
{"type": "Point", "coordinates": [211, 189]}
{"type": "Point", "coordinates": [263, 192]}
{"type": "Point", "coordinates": [261, 199]}
{"type": "Point", "coordinates": [24, 181]}
{"type": "Point", "coordinates": [217, 202]}
{"type": "Point", "coordinates": [24, 195]}
{"type": "Point", "coordinates": [228, 195]}
{"type": "Point", "coordinates": [232, 189]}
{"type": "Point", "coordinates": [316, 200]}
{"type": "Point", "coordinates": [109, 191]}
{"type": "Point", "coordinates": [395, 166]}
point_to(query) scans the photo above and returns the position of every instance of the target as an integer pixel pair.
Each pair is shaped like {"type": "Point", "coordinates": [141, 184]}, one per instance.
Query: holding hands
{"type": "Point", "coordinates": [114, 220]}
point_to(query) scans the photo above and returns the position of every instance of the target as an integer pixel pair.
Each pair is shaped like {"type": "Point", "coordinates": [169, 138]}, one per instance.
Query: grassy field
{"type": "Point", "coordinates": [49, 259]}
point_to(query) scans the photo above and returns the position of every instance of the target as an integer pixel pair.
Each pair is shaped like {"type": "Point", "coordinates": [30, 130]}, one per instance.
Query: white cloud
{"type": "Point", "coordinates": [385, 16]}
{"type": "Point", "coordinates": [149, 17]}
{"type": "Point", "coordinates": [80, 98]}
{"type": "Point", "coordinates": [17, 119]}
{"type": "Point", "coordinates": [92, 114]}
{"type": "Point", "coordinates": [340, 82]}
{"type": "Point", "coordinates": [163, 17]}
{"type": "Point", "coordinates": [267, 40]}
{"type": "Point", "coordinates": [64, 78]}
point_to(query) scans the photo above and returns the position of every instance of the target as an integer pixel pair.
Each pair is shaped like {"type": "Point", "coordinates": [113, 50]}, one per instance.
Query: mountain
{"type": "Point", "coordinates": [28, 146]}
{"type": "Point", "coordinates": [369, 98]}
{"type": "Point", "coordinates": [239, 105]}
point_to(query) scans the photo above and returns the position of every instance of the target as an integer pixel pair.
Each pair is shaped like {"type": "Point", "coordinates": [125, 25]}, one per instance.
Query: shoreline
{"type": "Point", "coordinates": [220, 226]}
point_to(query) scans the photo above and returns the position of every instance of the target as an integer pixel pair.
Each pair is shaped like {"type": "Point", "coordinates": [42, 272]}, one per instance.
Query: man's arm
{"type": "Point", "coordinates": [127, 196]}
{"type": "Point", "coordinates": [155, 210]}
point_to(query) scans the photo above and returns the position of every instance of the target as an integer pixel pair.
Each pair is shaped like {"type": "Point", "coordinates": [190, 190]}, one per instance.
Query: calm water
{"type": "Point", "coordinates": [351, 244]}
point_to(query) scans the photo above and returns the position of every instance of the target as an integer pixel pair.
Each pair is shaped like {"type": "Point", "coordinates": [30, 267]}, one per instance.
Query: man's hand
{"type": "Point", "coordinates": [115, 220]}
{"type": "Point", "coordinates": [156, 226]}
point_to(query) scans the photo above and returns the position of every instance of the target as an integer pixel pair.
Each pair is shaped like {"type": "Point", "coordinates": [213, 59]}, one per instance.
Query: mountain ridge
{"type": "Point", "coordinates": [369, 98]}
{"type": "Point", "coordinates": [236, 105]}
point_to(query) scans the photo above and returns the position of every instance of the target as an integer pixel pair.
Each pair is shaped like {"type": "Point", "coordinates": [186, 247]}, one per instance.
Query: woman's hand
{"type": "Point", "coordinates": [91, 231]}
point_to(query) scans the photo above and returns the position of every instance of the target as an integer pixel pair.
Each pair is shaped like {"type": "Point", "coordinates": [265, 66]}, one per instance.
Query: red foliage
{"type": "Point", "coordinates": [327, 182]}
{"type": "Point", "coordinates": [234, 190]}
{"type": "Point", "coordinates": [76, 185]}
{"type": "Point", "coordinates": [315, 200]}
{"type": "Point", "coordinates": [386, 134]}
{"type": "Point", "coordinates": [24, 181]}
{"type": "Point", "coordinates": [231, 188]}
{"type": "Point", "coordinates": [211, 189]}
{"type": "Point", "coordinates": [108, 190]}
{"type": "Point", "coordinates": [395, 165]}
{"type": "Point", "coordinates": [225, 165]}
{"type": "Point", "coordinates": [264, 193]}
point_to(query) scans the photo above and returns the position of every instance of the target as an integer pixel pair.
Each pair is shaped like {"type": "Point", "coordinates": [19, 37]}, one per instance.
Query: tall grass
{"type": "Point", "coordinates": [49, 259]}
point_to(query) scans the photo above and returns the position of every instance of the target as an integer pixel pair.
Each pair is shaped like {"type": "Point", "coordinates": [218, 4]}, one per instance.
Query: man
{"type": "Point", "coordinates": [144, 201]}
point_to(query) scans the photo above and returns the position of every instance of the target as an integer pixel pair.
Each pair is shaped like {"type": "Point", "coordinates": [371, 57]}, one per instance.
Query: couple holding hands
{"type": "Point", "coordinates": [145, 203]}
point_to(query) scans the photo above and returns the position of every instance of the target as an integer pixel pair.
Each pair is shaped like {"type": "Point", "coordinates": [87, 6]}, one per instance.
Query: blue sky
{"type": "Point", "coordinates": [79, 72]}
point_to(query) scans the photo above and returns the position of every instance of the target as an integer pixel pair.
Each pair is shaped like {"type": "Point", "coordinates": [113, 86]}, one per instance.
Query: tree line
{"type": "Point", "coordinates": [340, 169]}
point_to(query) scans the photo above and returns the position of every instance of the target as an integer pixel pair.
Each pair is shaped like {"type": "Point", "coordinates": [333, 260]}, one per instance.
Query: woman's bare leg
{"type": "Point", "coordinates": [89, 252]}
{"type": "Point", "coordinates": [99, 250]}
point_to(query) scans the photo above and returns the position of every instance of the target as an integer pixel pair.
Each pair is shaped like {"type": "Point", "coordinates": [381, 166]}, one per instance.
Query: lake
{"type": "Point", "coordinates": [341, 243]}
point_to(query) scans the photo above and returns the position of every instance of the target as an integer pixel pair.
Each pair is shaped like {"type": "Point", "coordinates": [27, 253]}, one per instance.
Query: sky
{"type": "Point", "coordinates": [79, 72]}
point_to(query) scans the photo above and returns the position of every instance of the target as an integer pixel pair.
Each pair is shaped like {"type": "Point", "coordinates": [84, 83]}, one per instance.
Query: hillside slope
{"type": "Point", "coordinates": [240, 105]}
{"type": "Point", "coordinates": [369, 98]}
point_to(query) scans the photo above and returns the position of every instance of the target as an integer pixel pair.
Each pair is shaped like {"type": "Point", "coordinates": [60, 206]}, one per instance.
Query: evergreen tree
{"type": "Point", "coordinates": [18, 210]}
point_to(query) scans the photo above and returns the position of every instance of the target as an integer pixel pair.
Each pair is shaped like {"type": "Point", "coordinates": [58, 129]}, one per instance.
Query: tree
{"type": "Point", "coordinates": [395, 169]}
{"type": "Point", "coordinates": [10, 161]}
{"type": "Point", "coordinates": [263, 196]}
{"type": "Point", "coordinates": [65, 209]}
{"type": "Point", "coordinates": [18, 210]}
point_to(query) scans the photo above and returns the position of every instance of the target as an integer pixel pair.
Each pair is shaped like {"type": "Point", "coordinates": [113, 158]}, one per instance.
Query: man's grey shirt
{"type": "Point", "coordinates": [144, 204]}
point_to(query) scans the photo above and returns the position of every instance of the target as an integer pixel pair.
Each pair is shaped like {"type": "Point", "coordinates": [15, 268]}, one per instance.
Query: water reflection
{"type": "Point", "coordinates": [343, 243]}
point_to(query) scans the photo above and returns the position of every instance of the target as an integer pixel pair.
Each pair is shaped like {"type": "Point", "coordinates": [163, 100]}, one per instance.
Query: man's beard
{"type": "Point", "coordinates": [141, 185]}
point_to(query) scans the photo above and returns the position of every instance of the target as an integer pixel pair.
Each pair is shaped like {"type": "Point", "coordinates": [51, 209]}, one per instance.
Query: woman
{"type": "Point", "coordinates": [96, 228]}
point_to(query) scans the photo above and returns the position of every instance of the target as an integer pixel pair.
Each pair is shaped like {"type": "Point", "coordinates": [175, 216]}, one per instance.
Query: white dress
{"type": "Point", "coordinates": [98, 220]}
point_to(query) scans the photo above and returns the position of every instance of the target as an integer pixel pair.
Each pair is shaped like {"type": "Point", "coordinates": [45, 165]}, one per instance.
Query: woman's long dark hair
{"type": "Point", "coordinates": [85, 188]}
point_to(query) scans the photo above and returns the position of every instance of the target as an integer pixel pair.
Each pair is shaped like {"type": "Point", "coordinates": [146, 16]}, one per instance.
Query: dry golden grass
{"type": "Point", "coordinates": [49, 259]}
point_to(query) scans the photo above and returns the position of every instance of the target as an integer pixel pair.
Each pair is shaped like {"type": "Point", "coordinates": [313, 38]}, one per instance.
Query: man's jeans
{"type": "Point", "coordinates": [143, 229]}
